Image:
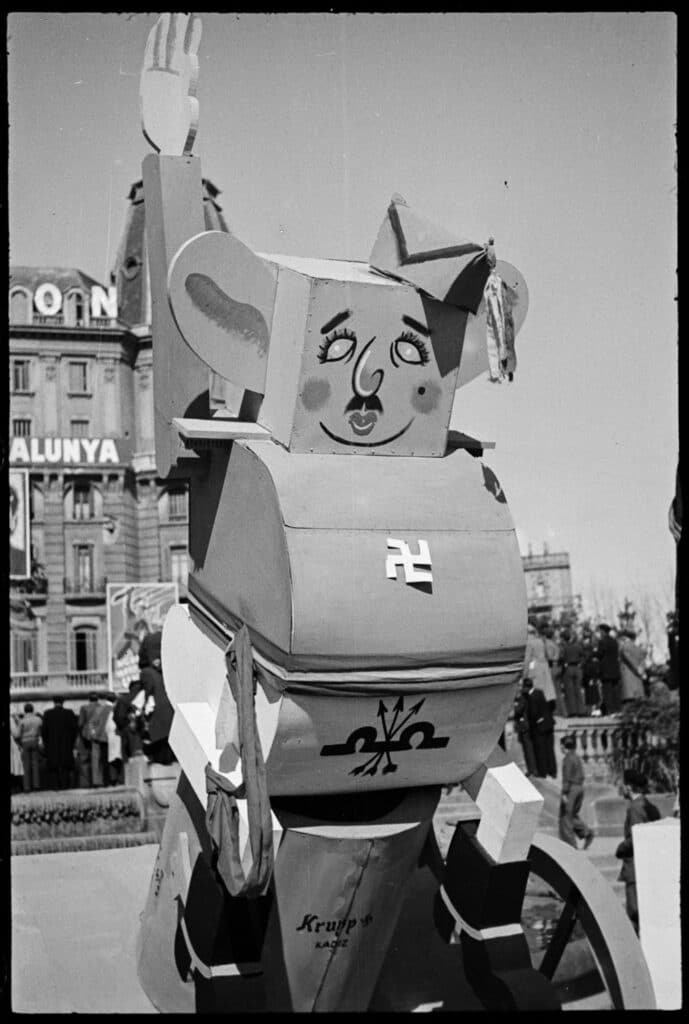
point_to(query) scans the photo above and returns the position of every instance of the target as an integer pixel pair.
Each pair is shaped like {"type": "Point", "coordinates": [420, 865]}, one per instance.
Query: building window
{"type": "Point", "coordinates": [177, 503]}
{"type": "Point", "coordinates": [179, 565]}
{"type": "Point", "coordinates": [84, 648]}
{"type": "Point", "coordinates": [21, 428]}
{"type": "Point", "coordinates": [83, 568]}
{"type": "Point", "coordinates": [20, 375]}
{"type": "Point", "coordinates": [20, 307]}
{"type": "Point", "coordinates": [80, 428]}
{"type": "Point", "coordinates": [78, 377]}
{"type": "Point", "coordinates": [24, 652]}
{"type": "Point", "coordinates": [82, 505]}
{"type": "Point", "coordinates": [75, 310]}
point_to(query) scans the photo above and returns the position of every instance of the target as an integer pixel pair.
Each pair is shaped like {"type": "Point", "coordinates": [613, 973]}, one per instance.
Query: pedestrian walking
{"type": "Point", "coordinates": [571, 826]}
{"type": "Point", "coordinates": [608, 656]}
{"type": "Point", "coordinates": [59, 733]}
{"type": "Point", "coordinates": [572, 656]}
{"type": "Point", "coordinates": [639, 810]}
{"type": "Point", "coordinates": [26, 730]}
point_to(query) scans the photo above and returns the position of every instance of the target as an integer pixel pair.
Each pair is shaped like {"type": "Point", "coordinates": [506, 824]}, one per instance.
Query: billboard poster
{"type": "Point", "coordinates": [20, 535]}
{"type": "Point", "coordinates": [134, 610]}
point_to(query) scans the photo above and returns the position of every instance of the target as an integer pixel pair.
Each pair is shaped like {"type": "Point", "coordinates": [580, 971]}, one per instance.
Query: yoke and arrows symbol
{"type": "Point", "coordinates": [397, 734]}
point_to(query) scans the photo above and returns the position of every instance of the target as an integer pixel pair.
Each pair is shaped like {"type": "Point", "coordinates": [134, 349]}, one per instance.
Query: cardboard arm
{"type": "Point", "coordinates": [174, 213]}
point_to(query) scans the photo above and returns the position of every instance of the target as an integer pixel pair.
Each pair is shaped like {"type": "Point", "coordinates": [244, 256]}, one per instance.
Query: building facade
{"type": "Point", "coordinates": [548, 583]}
{"type": "Point", "coordinates": [82, 461]}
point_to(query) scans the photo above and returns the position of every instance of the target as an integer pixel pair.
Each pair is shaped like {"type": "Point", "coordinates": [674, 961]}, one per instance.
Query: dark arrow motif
{"type": "Point", "coordinates": [397, 735]}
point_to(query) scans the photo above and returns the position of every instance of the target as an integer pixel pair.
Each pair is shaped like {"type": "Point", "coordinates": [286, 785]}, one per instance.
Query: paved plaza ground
{"type": "Point", "coordinates": [75, 917]}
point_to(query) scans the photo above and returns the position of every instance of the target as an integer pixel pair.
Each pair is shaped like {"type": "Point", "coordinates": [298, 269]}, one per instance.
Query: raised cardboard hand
{"type": "Point", "coordinates": [169, 108]}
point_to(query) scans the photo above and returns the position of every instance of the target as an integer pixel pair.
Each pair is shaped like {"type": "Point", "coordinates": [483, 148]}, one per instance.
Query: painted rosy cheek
{"type": "Point", "coordinates": [426, 396]}
{"type": "Point", "coordinates": [315, 393]}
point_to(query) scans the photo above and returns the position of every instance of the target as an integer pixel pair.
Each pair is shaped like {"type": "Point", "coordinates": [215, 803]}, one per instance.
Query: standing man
{"type": "Point", "coordinates": [572, 657]}
{"type": "Point", "coordinates": [542, 731]}
{"type": "Point", "coordinates": [631, 666]}
{"type": "Point", "coordinates": [639, 810]}
{"type": "Point", "coordinates": [59, 734]}
{"type": "Point", "coordinates": [160, 719]}
{"type": "Point", "coordinates": [552, 653]}
{"type": "Point", "coordinates": [27, 733]}
{"type": "Point", "coordinates": [608, 656]}
{"type": "Point", "coordinates": [93, 742]}
{"type": "Point", "coordinates": [571, 825]}
{"type": "Point", "coordinates": [523, 729]}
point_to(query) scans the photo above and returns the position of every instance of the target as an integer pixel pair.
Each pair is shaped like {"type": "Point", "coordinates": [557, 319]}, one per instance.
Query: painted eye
{"type": "Point", "coordinates": [409, 349]}
{"type": "Point", "coordinates": [338, 345]}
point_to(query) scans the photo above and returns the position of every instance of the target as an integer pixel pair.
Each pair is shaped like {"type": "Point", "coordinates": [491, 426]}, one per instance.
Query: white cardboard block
{"type": "Point", "coordinates": [510, 807]}
{"type": "Point", "coordinates": [656, 863]}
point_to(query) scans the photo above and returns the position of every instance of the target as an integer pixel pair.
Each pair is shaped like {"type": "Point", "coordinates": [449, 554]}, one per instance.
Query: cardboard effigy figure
{"type": "Point", "coordinates": [356, 619]}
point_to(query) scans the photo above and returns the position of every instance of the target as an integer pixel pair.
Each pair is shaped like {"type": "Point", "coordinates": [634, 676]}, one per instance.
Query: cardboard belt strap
{"type": "Point", "coordinates": [222, 813]}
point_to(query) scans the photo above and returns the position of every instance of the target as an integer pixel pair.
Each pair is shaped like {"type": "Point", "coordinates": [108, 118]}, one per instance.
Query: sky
{"type": "Point", "coordinates": [554, 133]}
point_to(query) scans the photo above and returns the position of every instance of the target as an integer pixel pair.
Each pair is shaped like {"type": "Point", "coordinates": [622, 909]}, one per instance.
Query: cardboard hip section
{"type": "Point", "coordinates": [333, 742]}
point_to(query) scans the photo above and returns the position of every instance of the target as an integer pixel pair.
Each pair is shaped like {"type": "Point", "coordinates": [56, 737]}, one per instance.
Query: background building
{"type": "Point", "coordinates": [548, 583]}
{"type": "Point", "coordinates": [82, 440]}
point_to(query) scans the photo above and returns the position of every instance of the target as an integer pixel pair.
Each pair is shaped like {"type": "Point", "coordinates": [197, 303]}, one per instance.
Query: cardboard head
{"type": "Point", "coordinates": [378, 370]}
{"type": "Point", "coordinates": [348, 360]}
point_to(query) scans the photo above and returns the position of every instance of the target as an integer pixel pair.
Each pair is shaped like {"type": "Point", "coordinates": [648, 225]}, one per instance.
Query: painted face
{"type": "Point", "coordinates": [371, 379]}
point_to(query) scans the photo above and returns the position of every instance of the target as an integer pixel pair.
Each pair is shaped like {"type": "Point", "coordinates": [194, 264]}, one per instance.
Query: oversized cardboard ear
{"type": "Point", "coordinates": [474, 351]}
{"type": "Point", "coordinates": [222, 297]}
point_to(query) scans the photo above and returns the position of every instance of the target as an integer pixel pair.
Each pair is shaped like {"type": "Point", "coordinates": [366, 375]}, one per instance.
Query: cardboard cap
{"type": "Point", "coordinates": [430, 258]}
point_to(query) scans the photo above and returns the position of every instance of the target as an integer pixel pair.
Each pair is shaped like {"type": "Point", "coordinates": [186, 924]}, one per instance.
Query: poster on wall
{"type": "Point", "coordinates": [20, 535]}
{"type": "Point", "coordinates": [134, 610]}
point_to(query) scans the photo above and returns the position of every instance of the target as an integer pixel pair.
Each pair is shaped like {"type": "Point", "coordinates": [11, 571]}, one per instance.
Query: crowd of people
{"type": "Point", "coordinates": [62, 749]}
{"type": "Point", "coordinates": [571, 672]}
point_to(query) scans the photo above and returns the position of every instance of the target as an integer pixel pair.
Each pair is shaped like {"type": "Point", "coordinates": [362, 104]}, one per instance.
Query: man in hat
{"type": "Point", "coordinates": [608, 655]}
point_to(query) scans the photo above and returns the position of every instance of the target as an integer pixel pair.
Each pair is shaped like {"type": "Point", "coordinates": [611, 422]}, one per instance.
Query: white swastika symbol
{"type": "Point", "coordinates": [417, 568]}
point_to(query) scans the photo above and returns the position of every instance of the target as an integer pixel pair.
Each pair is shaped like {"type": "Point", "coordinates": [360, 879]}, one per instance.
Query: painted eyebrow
{"type": "Point", "coordinates": [336, 320]}
{"type": "Point", "coordinates": [410, 322]}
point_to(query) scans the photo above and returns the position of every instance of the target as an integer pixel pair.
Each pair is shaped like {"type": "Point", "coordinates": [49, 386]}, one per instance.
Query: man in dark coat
{"type": "Point", "coordinates": [542, 727]}
{"type": "Point", "coordinates": [160, 719]}
{"type": "Point", "coordinates": [608, 656]}
{"type": "Point", "coordinates": [523, 730]}
{"type": "Point", "coordinates": [59, 733]}
{"type": "Point", "coordinates": [639, 810]}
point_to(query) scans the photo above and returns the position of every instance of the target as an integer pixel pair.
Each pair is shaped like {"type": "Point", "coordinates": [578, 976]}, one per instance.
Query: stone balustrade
{"type": "Point", "coordinates": [596, 738]}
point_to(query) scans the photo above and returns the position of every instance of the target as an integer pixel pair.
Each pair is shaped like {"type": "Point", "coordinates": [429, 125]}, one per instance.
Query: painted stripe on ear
{"type": "Point", "coordinates": [237, 318]}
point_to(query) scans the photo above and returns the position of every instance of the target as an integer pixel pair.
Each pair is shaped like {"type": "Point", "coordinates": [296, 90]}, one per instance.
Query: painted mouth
{"type": "Point", "coordinates": [366, 444]}
{"type": "Point", "coordinates": [362, 423]}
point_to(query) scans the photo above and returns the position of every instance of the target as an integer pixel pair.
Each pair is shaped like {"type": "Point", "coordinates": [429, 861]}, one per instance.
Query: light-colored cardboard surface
{"type": "Point", "coordinates": [657, 866]}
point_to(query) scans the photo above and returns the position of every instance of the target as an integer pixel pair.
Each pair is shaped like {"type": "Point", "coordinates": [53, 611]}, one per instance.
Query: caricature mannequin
{"type": "Point", "coordinates": [349, 569]}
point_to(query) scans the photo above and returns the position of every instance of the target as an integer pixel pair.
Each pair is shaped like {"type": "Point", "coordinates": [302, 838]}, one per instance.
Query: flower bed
{"type": "Point", "coordinates": [54, 815]}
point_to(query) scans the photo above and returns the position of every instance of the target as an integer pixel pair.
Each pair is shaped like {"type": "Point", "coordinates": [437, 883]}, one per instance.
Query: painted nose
{"type": "Point", "coordinates": [366, 382]}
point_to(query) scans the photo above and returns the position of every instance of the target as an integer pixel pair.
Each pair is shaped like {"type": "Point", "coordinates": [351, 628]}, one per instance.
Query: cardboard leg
{"type": "Point", "coordinates": [338, 893]}
{"type": "Point", "coordinates": [480, 900]}
{"type": "Point", "coordinates": [198, 948]}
